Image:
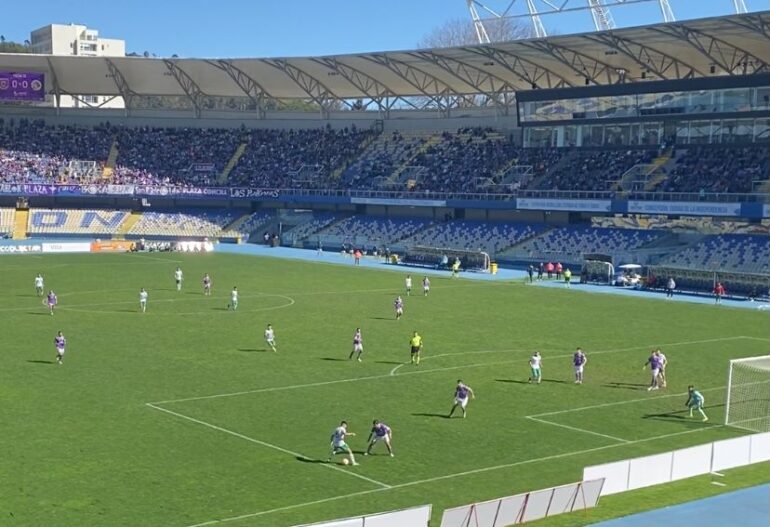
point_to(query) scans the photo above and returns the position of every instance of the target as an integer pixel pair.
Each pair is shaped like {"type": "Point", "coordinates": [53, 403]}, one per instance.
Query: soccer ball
{"type": "Point", "coordinates": [345, 461]}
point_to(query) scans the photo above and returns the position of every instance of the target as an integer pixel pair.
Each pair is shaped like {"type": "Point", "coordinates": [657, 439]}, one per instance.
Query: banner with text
{"type": "Point", "coordinates": [22, 248]}
{"type": "Point", "coordinates": [66, 247]}
{"type": "Point", "coordinates": [692, 208]}
{"type": "Point", "coordinates": [590, 205]}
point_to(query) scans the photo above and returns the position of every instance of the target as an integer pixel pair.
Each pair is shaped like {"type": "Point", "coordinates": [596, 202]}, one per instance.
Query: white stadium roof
{"type": "Point", "coordinates": [729, 45]}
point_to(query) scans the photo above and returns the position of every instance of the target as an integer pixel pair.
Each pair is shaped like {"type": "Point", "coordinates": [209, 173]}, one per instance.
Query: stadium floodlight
{"type": "Point", "coordinates": [748, 394]}
{"type": "Point", "coordinates": [535, 9]}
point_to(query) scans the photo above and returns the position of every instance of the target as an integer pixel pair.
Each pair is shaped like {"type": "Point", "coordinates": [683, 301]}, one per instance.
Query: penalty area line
{"type": "Point", "coordinates": [450, 476]}
{"type": "Point", "coordinates": [576, 429]}
{"type": "Point", "coordinates": [265, 444]}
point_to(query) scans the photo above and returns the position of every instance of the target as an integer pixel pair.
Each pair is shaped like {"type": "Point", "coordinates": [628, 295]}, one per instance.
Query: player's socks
{"type": "Point", "coordinates": [418, 360]}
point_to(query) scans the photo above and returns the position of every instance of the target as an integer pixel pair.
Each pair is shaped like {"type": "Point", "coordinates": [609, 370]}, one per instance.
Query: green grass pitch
{"type": "Point", "coordinates": [236, 431]}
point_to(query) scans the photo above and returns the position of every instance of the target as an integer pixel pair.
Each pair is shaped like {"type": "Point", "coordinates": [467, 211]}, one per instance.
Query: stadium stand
{"type": "Point", "coordinates": [74, 221]}
{"type": "Point", "coordinates": [572, 242]}
{"type": "Point", "coordinates": [377, 164]}
{"type": "Point", "coordinates": [184, 224]}
{"type": "Point", "coordinates": [474, 235]}
{"type": "Point", "coordinates": [726, 252]}
{"type": "Point", "coordinates": [469, 160]}
{"type": "Point", "coordinates": [296, 158]}
{"type": "Point", "coordinates": [30, 151]}
{"type": "Point", "coordinates": [593, 169]}
{"type": "Point", "coordinates": [314, 223]}
{"type": "Point", "coordinates": [718, 169]}
{"type": "Point", "coordinates": [459, 160]}
{"type": "Point", "coordinates": [370, 230]}
{"type": "Point", "coordinates": [6, 222]}
{"type": "Point", "coordinates": [193, 156]}
{"type": "Point", "coordinates": [247, 224]}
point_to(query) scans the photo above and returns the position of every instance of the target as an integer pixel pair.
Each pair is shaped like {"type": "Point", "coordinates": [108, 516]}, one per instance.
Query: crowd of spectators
{"type": "Point", "coordinates": [711, 168]}
{"type": "Point", "coordinates": [30, 151]}
{"type": "Point", "coordinates": [297, 158]}
{"type": "Point", "coordinates": [190, 156]}
{"type": "Point", "coordinates": [381, 159]}
{"type": "Point", "coordinates": [458, 161]}
{"type": "Point", "coordinates": [469, 160]}
{"type": "Point", "coordinates": [594, 169]}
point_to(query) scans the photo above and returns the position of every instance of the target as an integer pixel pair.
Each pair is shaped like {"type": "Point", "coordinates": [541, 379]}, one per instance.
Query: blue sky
{"type": "Point", "coordinates": [275, 28]}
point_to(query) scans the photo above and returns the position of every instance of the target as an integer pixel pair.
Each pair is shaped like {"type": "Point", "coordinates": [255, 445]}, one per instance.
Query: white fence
{"type": "Point", "coordinates": [631, 474]}
{"type": "Point", "coordinates": [514, 510]}
{"type": "Point", "coordinates": [413, 517]}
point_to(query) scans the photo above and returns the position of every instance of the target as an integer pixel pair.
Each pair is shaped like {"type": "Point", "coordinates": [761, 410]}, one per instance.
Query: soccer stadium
{"type": "Point", "coordinates": [537, 269]}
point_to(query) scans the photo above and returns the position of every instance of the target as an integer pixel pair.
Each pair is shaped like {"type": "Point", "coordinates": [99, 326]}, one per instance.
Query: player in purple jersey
{"type": "Point", "coordinates": [579, 360]}
{"type": "Point", "coordinates": [398, 305]}
{"type": "Point", "coordinates": [462, 392]}
{"type": "Point", "coordinates": [380, 432]}
{"type": "Point", "coordinates": [654, 361]}
{"type": "Point", "coordinates": [206, 284]}
{"type": "Point", "coordinates": [358, 345]}
{"type": "Point", "coordinates": [51, 300]}
{"type": "Point", "coordinates": [60, 343]}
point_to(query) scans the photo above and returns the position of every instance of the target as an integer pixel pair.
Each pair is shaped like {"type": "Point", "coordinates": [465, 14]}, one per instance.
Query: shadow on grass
{"type": "Point", "coordinates": [426, 414]}
{"type": "Point", "coordinates": [41, 313]}
{"type": "Point", "coordinates": [388, 362]}
{"type": "Point", "coordinates": [41, 361]}
{"type": "Point", "coordinates": [304, 459]}
{"type": "Point", "coordinates": [383, 318]}
{"type": "Point", "coordinates": [626, 385]}
{"type": "Point", "coordinates": [253, 350]}
{"type": "Point", "coordinates": [335, 359]}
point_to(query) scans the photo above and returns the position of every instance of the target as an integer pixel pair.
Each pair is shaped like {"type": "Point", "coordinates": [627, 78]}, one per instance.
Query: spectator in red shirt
{"type": "Point", "coordinates": [549, 269]}
{"type": "Point", "coordinates": [558, 268]}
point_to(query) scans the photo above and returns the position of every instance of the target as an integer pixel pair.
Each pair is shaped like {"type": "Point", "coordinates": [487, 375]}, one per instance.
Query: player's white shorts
{"type": "Point", "coordinates": [579, 369]}
{"type": "Point", "coordinates": [426, 289]}
{"type": "Point", "coordinates": [655, 373]}
{"type": "Point", "coordinates": [60, 352]}
{"type": "Point", "coordinates": [358, 347]}
{"type": "Point", "coordinates": [399, 311]}
{"type": "Point", "coordinates": [377, 439]}
{"type": "Point", "coordinates": [462, 402]}
{"type": "Point", "coordinates": [270, 341]}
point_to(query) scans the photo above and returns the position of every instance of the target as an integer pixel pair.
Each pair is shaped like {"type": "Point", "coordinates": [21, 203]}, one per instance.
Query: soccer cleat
{"type": "Point", "coordinates": [355, 464]}
{"type": "Point", "coordinates": [649, 388]}
{"type": "Point", "coordinates": [391, 454]}
{"type": "Point", "coordinates": [705, 419]}
{"type": "Point", "coordinates": [359, 359]}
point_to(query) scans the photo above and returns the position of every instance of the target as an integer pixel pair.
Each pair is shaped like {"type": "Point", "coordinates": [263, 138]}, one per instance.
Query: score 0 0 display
{"type": "Point", "coordinates": [22, 86]}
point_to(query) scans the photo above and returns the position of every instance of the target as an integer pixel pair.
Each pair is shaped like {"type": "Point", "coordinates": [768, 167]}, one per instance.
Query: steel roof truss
{"type": "Point", "coordinates": [188, 85]}
{"type": "Point", "coordinates": [731, 58]}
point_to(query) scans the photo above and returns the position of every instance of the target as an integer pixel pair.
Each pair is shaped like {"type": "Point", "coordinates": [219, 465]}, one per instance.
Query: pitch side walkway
{"type": "Point", "coordinates": [747, 508]}
{"type": "Point", "coordinates": [335, 258]}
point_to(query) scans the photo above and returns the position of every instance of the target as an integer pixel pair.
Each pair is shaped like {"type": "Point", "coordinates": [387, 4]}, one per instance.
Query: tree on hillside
{"type": "Point", "coordinates": [9, 46]}
{"type": "Point", "coordinates": [461, 32]}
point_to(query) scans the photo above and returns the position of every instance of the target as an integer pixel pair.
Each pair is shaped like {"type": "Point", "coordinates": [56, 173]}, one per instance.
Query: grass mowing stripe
{"type": "Point", "coordinates": [450, 476]}
{"type": "Point", "coordinates": [265, 444]}
{"type": "Point", "coordinates": [448, 368]}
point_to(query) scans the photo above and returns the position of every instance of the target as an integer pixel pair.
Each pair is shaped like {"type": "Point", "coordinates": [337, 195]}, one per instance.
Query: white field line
{"type": "Point", "coordinates": [627, 401]}
{"type": "Point", "coordinates": [421, 371]}
{"type": "Point", "coordinates": [576, 429]}
{"type": "Point", "coordinates": [393, 290]}
{"type": "Point", "coordinates": [74, 307]}
{"type": "Point", "coordinates": [265, 444]}
{"type": "Point", "coordinates": [566, 355]}
{"type": "Point", "coordinates": [450, 476]}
